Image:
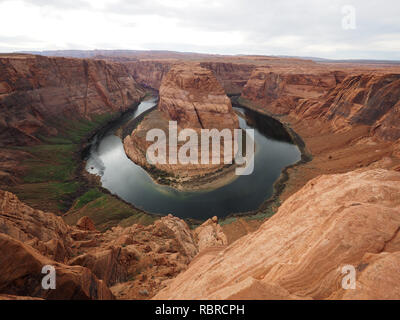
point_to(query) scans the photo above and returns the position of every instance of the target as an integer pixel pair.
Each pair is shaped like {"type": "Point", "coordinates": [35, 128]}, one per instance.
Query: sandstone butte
{"type": "Point", "coordinates": [191, 96]}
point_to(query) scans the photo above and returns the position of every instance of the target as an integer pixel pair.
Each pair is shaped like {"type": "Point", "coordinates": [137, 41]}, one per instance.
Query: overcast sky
{"type": "Point", "coordinates": [270, 27]}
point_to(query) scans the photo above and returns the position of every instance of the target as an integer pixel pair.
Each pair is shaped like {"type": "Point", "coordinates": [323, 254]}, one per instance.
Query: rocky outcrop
{"type": "Point", "coordinates": [134, 262]}
{"type": "Point", "coordinates": [335, 220]}
{"type": "Point", "coordinates": [210, 234]}
{"type": "Point", "coordinates": [85, 223]}
{"type": "Point", "coordinates": [37, 94]}
{"type": "Point", "coordinates": [43, 231]}
{"type": "Point", "coordinates": [137, 259]}
{"type": "Point", "coordinates": [21, 275]}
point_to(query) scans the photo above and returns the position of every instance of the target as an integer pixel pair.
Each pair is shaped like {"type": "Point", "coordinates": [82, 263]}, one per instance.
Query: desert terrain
{"type": "Point", "coordinates": [339, 205]}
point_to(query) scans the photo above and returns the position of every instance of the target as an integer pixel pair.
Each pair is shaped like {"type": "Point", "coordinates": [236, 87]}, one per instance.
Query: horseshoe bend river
{"type": "Point", "coordinates": [274, 151]}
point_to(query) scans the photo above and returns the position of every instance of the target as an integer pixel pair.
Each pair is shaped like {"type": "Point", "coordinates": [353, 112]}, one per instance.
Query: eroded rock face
{"type": "Point", "coordinates": [210, 234]}
{"type": "Point", "coordinates": [149, 73]}
{"type": "Point", "coordinates": [31, 239]}
{"type": "Point", "coordinates": [334, 220]}
{"type": "Point", "coordinates": [85, 223]}
{"type": "Point", "coordinates": [279, 91]}
{"type": "Point", "coordinates": [232, 76]}
{"type": "Point", "coordinates": [43, 231]}
{"type": "Point", "coordinates": [21, 268]}
{"type": "Point", "coordinates": [388, 127]}
{"type": "Point", "coordinates": [365, 99]}
{"type": "Point", "coordinates": [130, 261]}
{"type": "Point", "coordinates": [371, 100]}
{"type": "Point", "coordinates": [192, 96]}
{"type": "Point", "coordinates": [36, 91]}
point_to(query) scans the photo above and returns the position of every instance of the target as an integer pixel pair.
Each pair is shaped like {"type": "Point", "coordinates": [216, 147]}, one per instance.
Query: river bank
{"type": "Point", "coordinates": [122, 176]}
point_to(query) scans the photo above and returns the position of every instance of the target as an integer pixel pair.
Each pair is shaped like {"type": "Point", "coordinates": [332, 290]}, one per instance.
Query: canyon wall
{"type": "Point", "coordinates": [365, 99]}
{"type": "Point", "coordinates": [333, 221]}
{"type": "Point", "coordinates": [341, 99]}
{"type": "Point", "coordinates": [347, 121]}
{"type": "Point", "coordinates": [280, 90]}
{"type": "Point", "coordinates": [36, 91]}
{"type": "Point", "coordinates": [149, 73]}
{"type": "Point", "coordinates": [232, 76]}
{"type": "Point", "coordinates": [371, 100]}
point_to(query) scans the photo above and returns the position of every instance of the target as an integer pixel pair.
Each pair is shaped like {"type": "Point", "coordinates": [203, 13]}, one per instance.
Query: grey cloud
{"type": "Point", "coordinates": [261, 22]}
{"type": "Point", "coordinates": [315, 22]}
{"type": "Point", "coordinates": [59, 4]}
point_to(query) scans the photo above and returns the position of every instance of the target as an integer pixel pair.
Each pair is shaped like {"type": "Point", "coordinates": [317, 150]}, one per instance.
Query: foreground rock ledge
{"type": "Point", "coordinates": [334, 220]}
{"type": "Point", "coordinates": [125, 263]}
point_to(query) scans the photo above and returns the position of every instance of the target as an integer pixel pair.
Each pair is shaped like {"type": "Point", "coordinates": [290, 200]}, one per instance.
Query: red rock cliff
{"type": "Point", "coordinates": [232, 76]}
{"type": "Point", "coordinates": [366, 99]}
{"type": "Point", "coordinates": [36, 90]}
{"type": "Point", "coordinates": [149, 73]}
{"type": "Point", "coordinates": [279, 91]}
